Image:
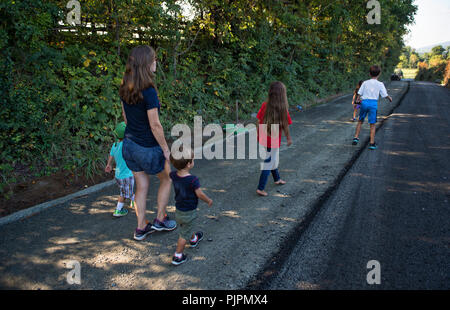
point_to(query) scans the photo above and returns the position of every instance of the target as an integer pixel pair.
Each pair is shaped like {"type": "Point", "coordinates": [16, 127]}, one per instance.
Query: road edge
{"type": "Point", "coordinates": [23, 214]}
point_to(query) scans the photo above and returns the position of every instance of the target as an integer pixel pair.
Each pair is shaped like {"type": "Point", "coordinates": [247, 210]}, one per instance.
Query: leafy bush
{"type": "Point", "coordinates": [447, 74]}
{"type": "Point", "coordinates": [433, 72]}
{"type": "Point", "coordinates": [59, 83]}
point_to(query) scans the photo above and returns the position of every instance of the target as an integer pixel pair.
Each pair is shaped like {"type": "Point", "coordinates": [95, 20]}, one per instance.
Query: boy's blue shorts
{"type": "Point", "coordinates": [368, 107]}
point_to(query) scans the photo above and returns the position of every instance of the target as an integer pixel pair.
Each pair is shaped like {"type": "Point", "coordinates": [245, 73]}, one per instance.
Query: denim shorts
{"type": "Point", "coordinates": [151, 160]}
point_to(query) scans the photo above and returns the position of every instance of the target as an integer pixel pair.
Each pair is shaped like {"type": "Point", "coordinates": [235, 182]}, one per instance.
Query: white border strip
{"type": "Point", "coordinates": [22, 214]}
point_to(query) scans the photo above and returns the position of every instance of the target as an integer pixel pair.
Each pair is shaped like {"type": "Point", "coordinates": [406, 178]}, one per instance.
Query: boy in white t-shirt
{"type": "Point", "coordinates": [369, 92]}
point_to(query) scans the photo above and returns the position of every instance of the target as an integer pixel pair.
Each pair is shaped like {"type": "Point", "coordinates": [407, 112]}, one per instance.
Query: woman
{"type": "Point", "coordinates": [145, 149]}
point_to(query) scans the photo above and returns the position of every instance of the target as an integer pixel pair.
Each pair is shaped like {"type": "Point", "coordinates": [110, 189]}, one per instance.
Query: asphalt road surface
{"type": "Point", "coordinates": [391, 207]}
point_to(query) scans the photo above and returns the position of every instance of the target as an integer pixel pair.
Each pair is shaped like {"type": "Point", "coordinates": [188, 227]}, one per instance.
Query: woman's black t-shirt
{"type": "Point", "coordinates": [138, 126]}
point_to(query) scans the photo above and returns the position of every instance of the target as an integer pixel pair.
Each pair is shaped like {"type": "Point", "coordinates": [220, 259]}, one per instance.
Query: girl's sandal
{"type": "Point", "coordinates": [280, 182]}
{"type": "Point", "coordinates": [261, 193]}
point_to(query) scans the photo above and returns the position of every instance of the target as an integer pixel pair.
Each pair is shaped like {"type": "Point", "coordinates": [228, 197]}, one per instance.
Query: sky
{"type": "Point", "coordinates": [432, 24]}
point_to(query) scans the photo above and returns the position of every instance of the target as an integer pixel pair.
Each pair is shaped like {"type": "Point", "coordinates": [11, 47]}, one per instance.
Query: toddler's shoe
{"type": "Point", "coordinates": [372, 146]}
{"type": "Point", "coordinates": [179, 260]}
{"type": "Point", "coordinates": [119, 213]}
{"type": "Point", "coordinates": [355, 141]}
{"type": "Point", "coordinates": [199, 238]}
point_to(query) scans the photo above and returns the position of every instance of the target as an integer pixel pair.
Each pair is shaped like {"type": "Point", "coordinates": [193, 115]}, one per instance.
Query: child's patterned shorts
{"type": "Point", "coordinates": [126, 187]}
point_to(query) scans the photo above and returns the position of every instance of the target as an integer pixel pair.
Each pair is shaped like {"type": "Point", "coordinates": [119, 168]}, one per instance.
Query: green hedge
{"type": "Point", "coordinates": [59, 88]}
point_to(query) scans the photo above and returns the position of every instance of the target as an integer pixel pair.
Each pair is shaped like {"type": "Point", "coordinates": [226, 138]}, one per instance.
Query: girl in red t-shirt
{"type": "Point", "coordinates": [273, 119]}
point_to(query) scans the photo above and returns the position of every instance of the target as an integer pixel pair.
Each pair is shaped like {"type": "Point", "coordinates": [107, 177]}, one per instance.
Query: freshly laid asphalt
{"type": "Point", "coordinates": [392, 206]}
{"type": "Point", "coordinates": [243, 231]}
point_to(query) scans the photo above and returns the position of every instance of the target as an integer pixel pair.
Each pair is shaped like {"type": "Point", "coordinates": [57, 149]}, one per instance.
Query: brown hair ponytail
{"type": "Point", "coordinates": [138, 75]}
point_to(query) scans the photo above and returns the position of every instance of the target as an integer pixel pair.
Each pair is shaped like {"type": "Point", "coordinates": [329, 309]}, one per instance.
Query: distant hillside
{"type": "Point", "coordinates": [427, 49]}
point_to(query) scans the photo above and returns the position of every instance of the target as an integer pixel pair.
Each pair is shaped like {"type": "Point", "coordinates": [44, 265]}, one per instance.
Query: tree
{"type": "Point", "coordinates": [436, 60]}
{"type": "Point", "coordinates": [413, 60]}
{"type": "Point", "coordinates": [426, 57]}
{"type": "Point", "coordinates": [437, 50]}
{"type": "Point", "coordinates": [447, 52]}
{"type": "Point", "coordinates": [403, 62]}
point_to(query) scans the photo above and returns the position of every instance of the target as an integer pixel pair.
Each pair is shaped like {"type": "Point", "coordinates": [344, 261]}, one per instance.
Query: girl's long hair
{"type": "Point", "coordinates": [277, 107]}
{"type": "Point", "coordinates": [358, 87]}
{"type": "Point", "coordinates": [138, 75]}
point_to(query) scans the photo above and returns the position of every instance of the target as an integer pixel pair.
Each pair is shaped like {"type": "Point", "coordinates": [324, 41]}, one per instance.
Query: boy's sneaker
{"type": "Point", "coordinates": [372, 146]}
{"type": "Point", "coordinates": [140, 234]}
{"type": "Point", "coordinates": [119, 213]}
{"type": "Point", "coordinates": [178, 261]}
{"type": "Point", "coordinates": [199, 238]}
{"type": "Point", "coordinates": [166, 224]}
{"type": "Point", "coordinates": [355, 141]}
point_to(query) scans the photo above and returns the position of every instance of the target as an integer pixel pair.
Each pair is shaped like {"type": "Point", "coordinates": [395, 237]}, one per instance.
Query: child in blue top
{"type": "Point", "coordinates": [123, 176]}
{"type": "Point", "coordinates": [187, 193]}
